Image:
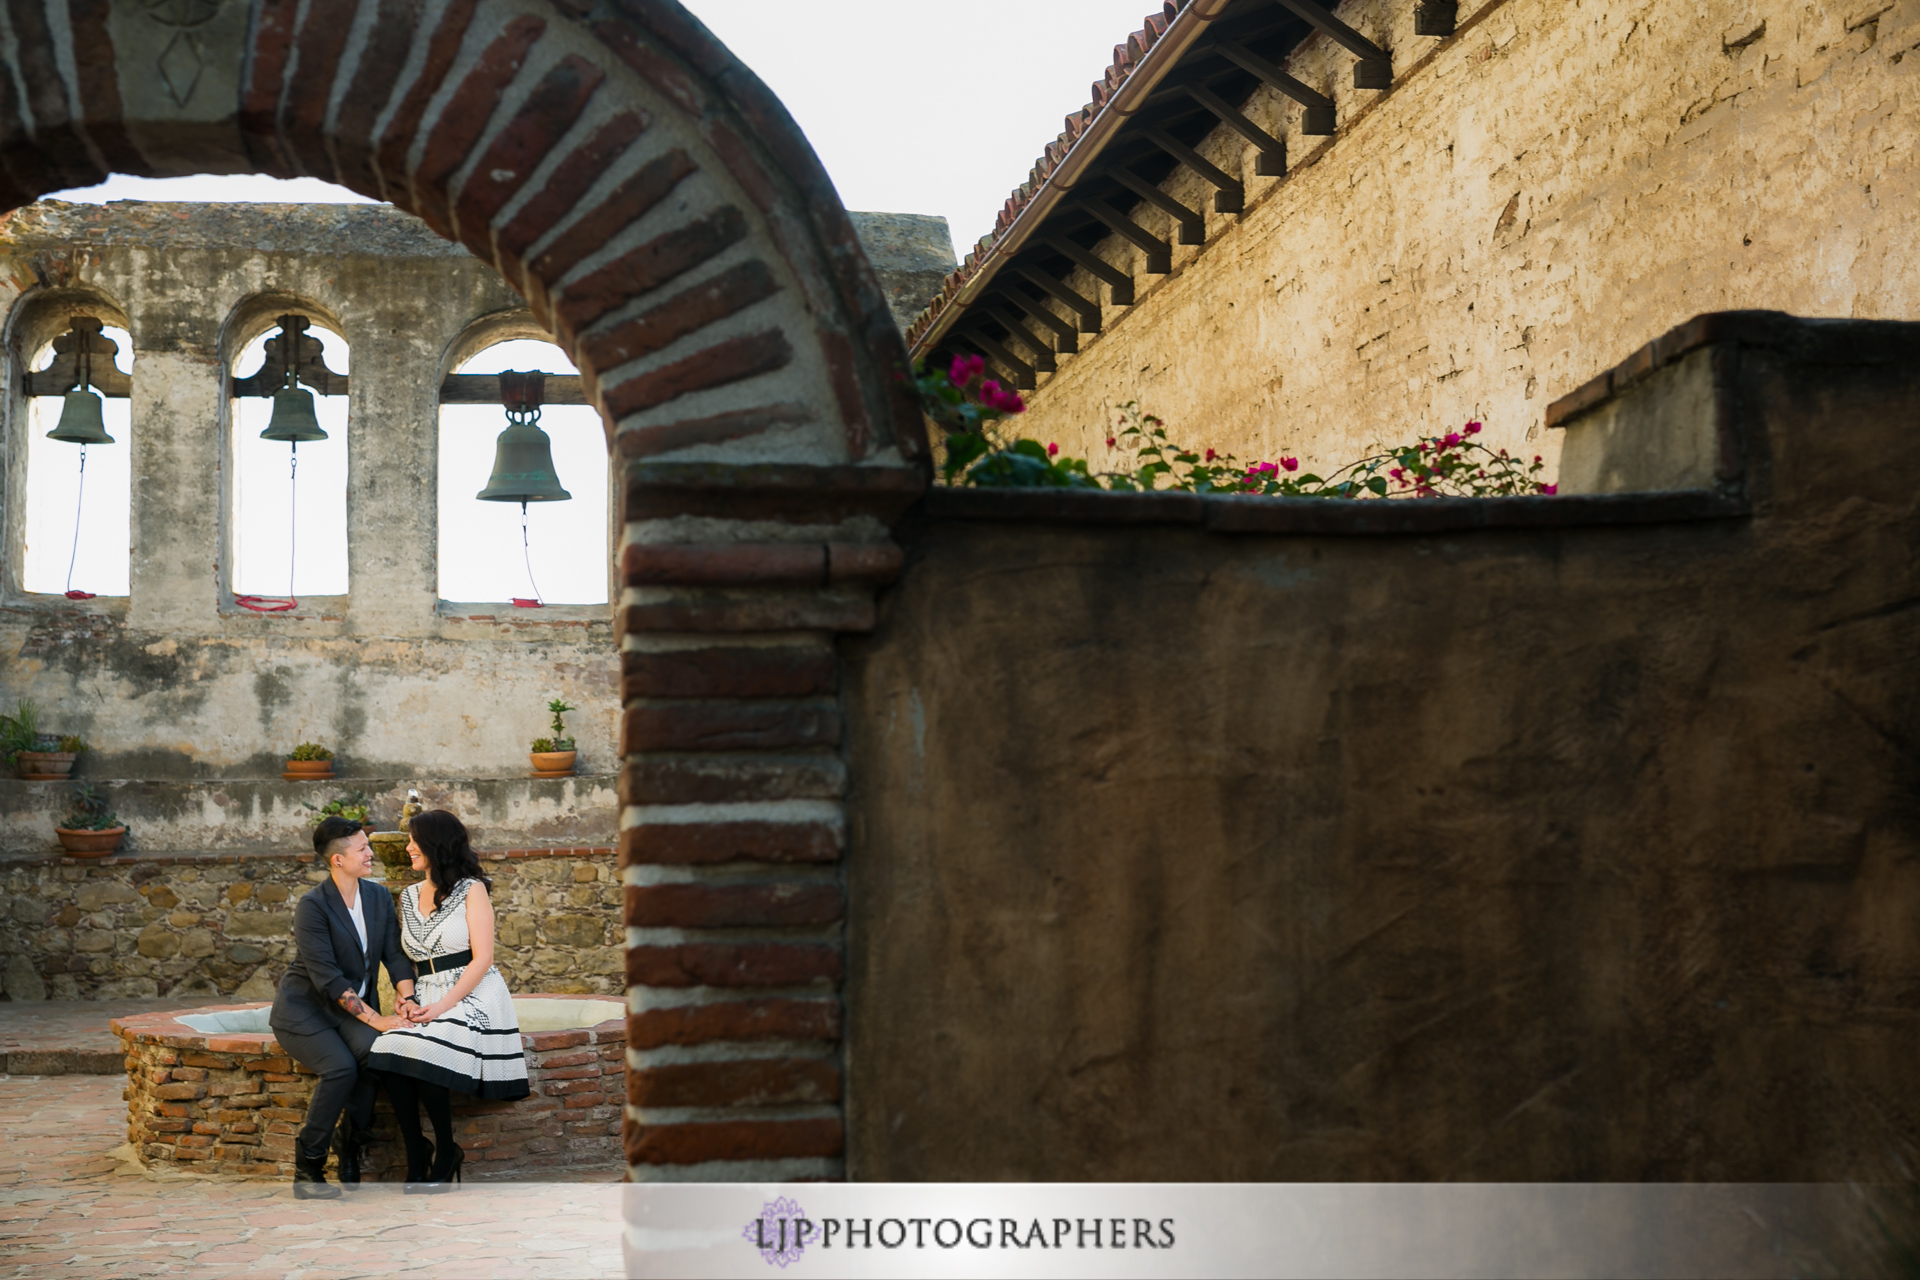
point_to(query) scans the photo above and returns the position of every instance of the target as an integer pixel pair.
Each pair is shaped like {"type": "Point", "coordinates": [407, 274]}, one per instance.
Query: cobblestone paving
{"type": "Point", "coordinates": [68, 1208]}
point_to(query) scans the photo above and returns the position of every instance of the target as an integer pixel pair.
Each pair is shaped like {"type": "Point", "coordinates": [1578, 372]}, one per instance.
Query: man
{"type": "Point", "coordinates": [327, 1010]}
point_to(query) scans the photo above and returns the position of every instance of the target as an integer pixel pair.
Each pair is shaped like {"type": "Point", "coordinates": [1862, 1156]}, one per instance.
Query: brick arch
{"type": "Point", "coordinates": [669, 224]}
{"type": "Point", "coordinates": [534, 135]}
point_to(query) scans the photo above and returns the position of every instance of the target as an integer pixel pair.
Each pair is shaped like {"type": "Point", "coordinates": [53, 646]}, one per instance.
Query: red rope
{"type": "Point", "coordinates": [265, 604]}
{"type": "Point", "coordinates": [521, 602]}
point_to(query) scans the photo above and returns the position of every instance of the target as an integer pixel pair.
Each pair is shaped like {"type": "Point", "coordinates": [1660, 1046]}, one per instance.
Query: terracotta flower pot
{"type": "Point", "coordinates": [90, 844]}
{"type": "Point", "coordinates": [307, 770]}
{"type": "Point", "coordinates": [45, 766]}
{"type": "Point", "coordinates": [552, 764]}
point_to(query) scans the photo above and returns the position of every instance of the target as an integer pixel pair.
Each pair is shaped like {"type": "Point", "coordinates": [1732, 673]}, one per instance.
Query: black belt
{"type": "Point", "coordinates": [440, 964]}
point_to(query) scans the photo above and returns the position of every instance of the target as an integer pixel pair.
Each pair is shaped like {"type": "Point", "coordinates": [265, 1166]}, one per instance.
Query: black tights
{"type": "Point", "coordinates": [408, 1096]}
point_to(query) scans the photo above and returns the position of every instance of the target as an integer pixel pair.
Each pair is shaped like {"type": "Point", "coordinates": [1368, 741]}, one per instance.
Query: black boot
{"type": "Point", "coordinates": [310, 1180]}
{"type": "Point", "coordinates": [350, 1146]}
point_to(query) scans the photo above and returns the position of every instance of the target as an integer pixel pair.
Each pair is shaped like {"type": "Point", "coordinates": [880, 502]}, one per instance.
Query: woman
{"type": "Point", "coordinates": [462, 1034]}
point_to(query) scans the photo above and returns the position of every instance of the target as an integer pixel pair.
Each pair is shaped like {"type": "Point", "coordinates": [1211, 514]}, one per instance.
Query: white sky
{"type": "Point", "coordinates": [870, 82]}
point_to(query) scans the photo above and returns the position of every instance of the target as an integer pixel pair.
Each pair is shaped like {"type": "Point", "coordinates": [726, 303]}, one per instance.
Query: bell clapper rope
{"type": "Point", "coordinates": [526, 552]}
{"type": "Point", "coordinates": [79, 501]}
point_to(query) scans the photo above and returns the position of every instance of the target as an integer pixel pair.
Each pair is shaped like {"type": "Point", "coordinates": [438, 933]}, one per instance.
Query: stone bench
{"type": "Point", "coordinates": [211, 1091]}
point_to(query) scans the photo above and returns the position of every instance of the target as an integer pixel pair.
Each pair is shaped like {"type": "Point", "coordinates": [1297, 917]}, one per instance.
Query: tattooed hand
{"type": "Point", "coordinates": [350, 1001]}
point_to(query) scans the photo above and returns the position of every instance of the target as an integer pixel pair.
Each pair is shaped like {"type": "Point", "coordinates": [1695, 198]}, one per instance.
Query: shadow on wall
{"type": "Point", "coordinates": [1524, 839]}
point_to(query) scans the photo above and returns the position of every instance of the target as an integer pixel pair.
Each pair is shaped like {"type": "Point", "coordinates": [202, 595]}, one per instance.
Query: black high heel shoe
{"type": "Point", "coordinates": [419, 1162]}
{"type": "Point", "coordinates": [446, 1169]}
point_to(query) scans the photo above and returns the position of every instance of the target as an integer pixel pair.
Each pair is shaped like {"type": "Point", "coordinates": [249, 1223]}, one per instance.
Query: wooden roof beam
{"type": "Point", "coordinates": [1066, 338]}
{"type": "Point", "coordinates": [1193, 224]}
{"type": "Point", "coordinates": [1436, 17]}
{"type": "Point", "coordinates": [1228, 196]}
{"type": "Point", "coordinates": [1086, 309]}
{"type": "Point", "coordinates": [1099, 268]}
{"type": "Point", "coordinates": [1042, 353]}
{"type": "Point", "coordinates": [1159, 252]}
{"type": "Point", "coordinates": [1273, 152]}
{"type": "Point", "coordinates": [1318, 121]}
{"type": "Point", "coordinates": [1018, 371]}
{"type": "Point", "coordinates": [1375, 68]}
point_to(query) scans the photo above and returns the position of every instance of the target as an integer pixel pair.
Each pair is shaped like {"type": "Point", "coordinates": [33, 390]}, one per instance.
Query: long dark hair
{"type": "Point", "coordinates": [450, 858]}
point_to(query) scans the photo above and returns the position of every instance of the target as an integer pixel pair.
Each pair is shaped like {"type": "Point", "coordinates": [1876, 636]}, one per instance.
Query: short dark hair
{"type": "Point", "coordinates": [328, 833]}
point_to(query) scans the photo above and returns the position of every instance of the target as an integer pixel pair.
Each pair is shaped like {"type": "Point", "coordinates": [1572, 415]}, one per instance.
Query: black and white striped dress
{"type": "Point", "coordinates": [473, 1047]}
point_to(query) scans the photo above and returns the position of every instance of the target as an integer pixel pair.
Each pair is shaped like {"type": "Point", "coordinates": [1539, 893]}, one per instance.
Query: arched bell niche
{"type": "Point", "coordinates": [284, 500]}
{"type": "Point", "coordinates": [69, 509]}
{"type": "Point", "coordinates": [486, 557]}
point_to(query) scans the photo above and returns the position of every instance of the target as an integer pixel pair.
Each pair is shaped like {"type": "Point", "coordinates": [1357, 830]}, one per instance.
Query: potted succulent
{"type": "Point", "coordinates": [37, 756]}
{"type": "Point", "coordinates": [90, 829]}
{"type": "Point", "coordinates": [310, 762]}
{"type": "Point", "coordinates": [553, 757]}
{"type": "Point", "coordinates": [55, 765]}
{"type": "Point", "coordinates": [353, 806]}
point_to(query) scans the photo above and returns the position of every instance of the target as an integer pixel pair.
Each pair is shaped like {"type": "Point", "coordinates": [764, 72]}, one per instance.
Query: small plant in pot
{"type": "Point", "coordinates": [553, 756]}
{"type": "Point", "coordinates": [90, 829]}
{"type": "Point", "coordinates": [353, 806]}
{"type": "Point", "coordinates": [310, 762]}
{"type": "Point", "coordinates": [37, 756]}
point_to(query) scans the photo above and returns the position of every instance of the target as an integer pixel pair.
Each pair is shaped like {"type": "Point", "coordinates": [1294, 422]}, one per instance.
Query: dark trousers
{"type": "Point", "coordinates": [338, 1057]}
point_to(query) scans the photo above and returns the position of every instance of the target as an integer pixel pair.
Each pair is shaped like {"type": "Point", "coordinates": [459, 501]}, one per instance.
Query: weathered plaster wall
{"type": "Point", "coordinates": [911, 254]}
{"type": "Point", "coordinates": [206, 925]}
{"type": "Point", "coordinates": [1558, 181]}
{"type": "Point", "coordinates": [1505, 853]}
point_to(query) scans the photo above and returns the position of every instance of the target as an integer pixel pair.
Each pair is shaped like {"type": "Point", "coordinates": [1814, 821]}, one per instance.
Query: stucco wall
{"type": "Point", "coordinates": [1554, 183]}
{"type": "Point", "coordinates": [1579, 852]}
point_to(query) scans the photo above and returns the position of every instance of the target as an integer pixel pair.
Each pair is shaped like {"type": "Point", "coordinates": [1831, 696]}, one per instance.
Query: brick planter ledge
{"type": "Point", "coordinates": [209, 1090]}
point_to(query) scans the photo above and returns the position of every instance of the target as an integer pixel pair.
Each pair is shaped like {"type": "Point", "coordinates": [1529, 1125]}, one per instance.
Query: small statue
{"type": "Point", "coordinates": [410, 810]}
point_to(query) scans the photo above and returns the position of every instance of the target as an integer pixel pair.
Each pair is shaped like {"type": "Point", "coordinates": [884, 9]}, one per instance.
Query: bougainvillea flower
{"type": "Point", "coordinates": [1053, 451]}
{"type": "Point", "coordinates": [1291, 464]}
{"type": "Point", "coordinates": [1109, 442]}
{"type": "Point", "coordinates": [1453, 438]}
{"type": "Point", "coordinates": [965, 369]}
{"type": "Point", "coordinates": [1210, 455]}
{"type": "Point", "coordinates": [1395, 472]}
{"type": "Point", "coordinates": [1549, 488]}
{"type": "Point", "coordinates": [1472, 428]}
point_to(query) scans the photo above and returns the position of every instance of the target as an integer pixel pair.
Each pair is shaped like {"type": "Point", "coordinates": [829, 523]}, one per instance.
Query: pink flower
{"type": "Point", "coordinates": [1473, 428]}
{"type": "Point", "coordinates": [1291, 464]}
{"type": "Point", "coordinates": [1395, 472]}
{"type": "Point", "coordinates": [1422, 446]}
{"type": "Point", "coordinates": [965, 369]}
{"type": "Point", "coordinates": [995, 396]}
{"type": "Point", "coordinates": [1109, 442]}
{"type": "Point", "coordinates": [1053, 451]}
{"type": "Point", "coordinates": [1549, 488]}
{"type": "Point", "coordinates": [1453, 438]}
{"type": "Point", "coordinates": [1210, 455]}
{"type": "Point", "coordinates": [1536, 457]}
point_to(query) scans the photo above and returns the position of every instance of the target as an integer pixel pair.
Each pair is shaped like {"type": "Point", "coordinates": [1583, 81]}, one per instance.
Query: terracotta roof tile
{"type": "Point", "coordinates": [1126, 57]}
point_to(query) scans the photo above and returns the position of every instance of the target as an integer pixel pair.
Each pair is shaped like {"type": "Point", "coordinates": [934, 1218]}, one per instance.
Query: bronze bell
{"type": "Point", "coordinates": [293, 420]}
{"type": "Point", "coordinates": [80, 420]}
{"type": "Point", "coordinates": [523, 468]}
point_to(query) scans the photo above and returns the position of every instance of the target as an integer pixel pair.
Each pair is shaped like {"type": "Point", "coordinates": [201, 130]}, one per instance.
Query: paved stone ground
{"type": "Point", "coordinates": [70, 1037]}
{"type": "Point", "coordinates": [68, 1208]}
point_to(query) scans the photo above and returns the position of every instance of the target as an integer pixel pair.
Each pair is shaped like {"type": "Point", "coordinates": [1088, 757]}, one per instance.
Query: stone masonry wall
{"type": "Point", "coordinates": [1561, 180]}
{"type": "Point", "coordinates": [222, 925]}
{"type": "Point", "coordinates": [232, 1104]}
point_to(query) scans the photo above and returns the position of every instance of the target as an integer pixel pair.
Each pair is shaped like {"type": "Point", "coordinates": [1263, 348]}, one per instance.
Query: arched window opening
{"type": "Point", "coordinates": [559, 555]}
{"type": "Point", "coordinates": [79, 510]}
{"type": "Point", "coordinates": [289, 529]}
